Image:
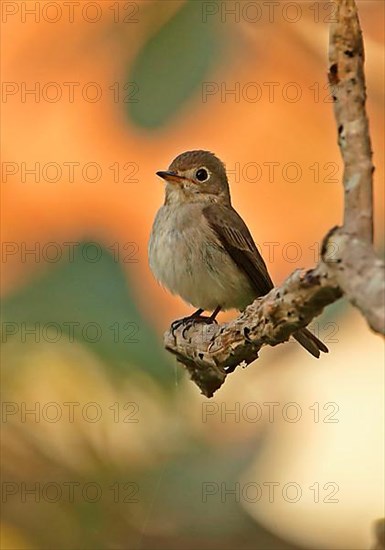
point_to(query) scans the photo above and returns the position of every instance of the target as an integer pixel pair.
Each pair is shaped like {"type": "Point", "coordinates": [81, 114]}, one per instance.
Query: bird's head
{"type": "Point", "coordinates": [196, 176]}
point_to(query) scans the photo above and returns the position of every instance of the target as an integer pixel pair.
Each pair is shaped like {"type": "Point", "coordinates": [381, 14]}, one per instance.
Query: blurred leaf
{"type": "Point", "coordinates": [199, 496]}
{"type": "Point", "coordinates": [172, 65]}
{"type": "Point", "coordinates": [201, 469]}
{"type": "Point", "coordinates": [89, 303]}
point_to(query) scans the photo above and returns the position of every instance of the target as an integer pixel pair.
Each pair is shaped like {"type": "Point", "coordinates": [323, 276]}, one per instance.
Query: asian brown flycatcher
{"type": "Point", "coordinates": [201, 249]}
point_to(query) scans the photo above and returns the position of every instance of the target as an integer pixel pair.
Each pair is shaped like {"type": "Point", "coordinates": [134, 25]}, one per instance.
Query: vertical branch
{"type": "Point", "coordinates": [347, 79]}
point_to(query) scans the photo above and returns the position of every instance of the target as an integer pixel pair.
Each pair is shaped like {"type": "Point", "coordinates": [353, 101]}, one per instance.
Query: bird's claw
{"type": "Point", "coordinates": [176, 324]}
{"type": "Point", "coordinates": [188, 322]}
{"type": "Point", "coordinates": [201, 319]}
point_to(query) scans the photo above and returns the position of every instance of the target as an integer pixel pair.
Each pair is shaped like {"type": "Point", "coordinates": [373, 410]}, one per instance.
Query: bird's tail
{"type": "Point", "coordinates": [310, 342]}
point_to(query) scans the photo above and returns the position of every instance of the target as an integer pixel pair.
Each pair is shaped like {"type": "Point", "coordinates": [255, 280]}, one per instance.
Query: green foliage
{"type": "Point", "coordinates": [172, 65]}
{"type": "Point", "coordinates": [89, 303]}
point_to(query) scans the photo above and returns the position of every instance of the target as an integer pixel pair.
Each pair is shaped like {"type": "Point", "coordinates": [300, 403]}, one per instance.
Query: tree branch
{"type": "Point", "coordinates": [360, 275]}
{"type": "Point", "coordinates": [211, 352]}
{"type": "Point", "coordinates": [347, 80]}
{"type": "Point", "coordinates": [348, 264]}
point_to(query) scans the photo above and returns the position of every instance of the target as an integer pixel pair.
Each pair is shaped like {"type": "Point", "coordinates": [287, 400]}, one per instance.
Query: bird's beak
{"type": "Point", "coordinates": [170, 176]}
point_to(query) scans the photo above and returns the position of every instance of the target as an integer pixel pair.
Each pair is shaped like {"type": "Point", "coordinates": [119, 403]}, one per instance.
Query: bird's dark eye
{"type": "Point", "coordinates": [202, 174]}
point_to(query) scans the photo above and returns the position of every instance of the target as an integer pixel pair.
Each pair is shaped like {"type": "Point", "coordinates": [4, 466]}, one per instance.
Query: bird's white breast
{"type": "Point", "coordinates": [186, 256]}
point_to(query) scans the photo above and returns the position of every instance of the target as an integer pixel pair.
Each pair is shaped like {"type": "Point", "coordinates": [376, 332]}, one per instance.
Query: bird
{"type": "Point", "coordinates": [201, 249]}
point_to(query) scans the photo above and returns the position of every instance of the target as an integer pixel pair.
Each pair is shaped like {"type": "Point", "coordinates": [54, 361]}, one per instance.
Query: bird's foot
{"type": "Point", "coordinates": [188, 322]}
{"type": "Point", "coordinates": [179, 322]}
{"type": "Point", "coordinates": [202, 319]}
{"type": "Point", "coordinates": [196, 317]}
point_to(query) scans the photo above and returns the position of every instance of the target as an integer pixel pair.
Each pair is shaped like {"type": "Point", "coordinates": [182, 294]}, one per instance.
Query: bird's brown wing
{"type": "Point", "coordinates": [238, 242]}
